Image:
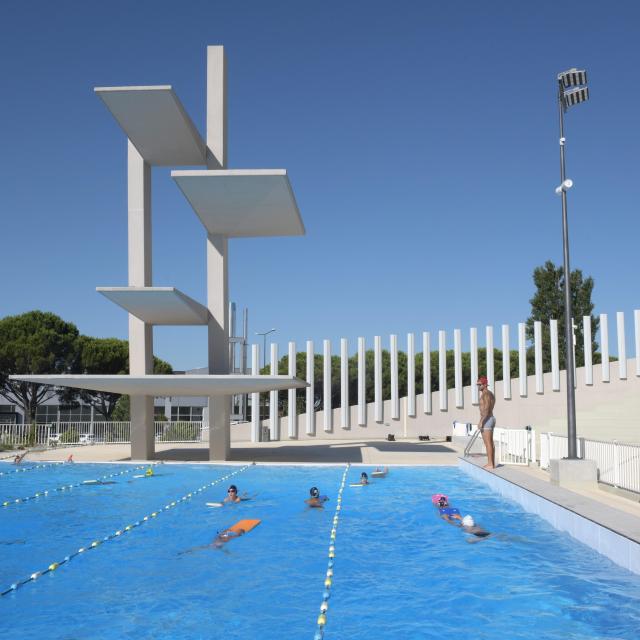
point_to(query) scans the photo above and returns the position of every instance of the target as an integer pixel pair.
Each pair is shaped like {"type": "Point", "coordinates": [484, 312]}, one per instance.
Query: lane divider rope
{"type": "Point", "coordinates": [38, 466]}
{"type": "Point", "coordinates": [65, 487]}
{"type": "Point", "coordinates": [120, 532]}
{"type": "Point", "coordinates": [328, 581]}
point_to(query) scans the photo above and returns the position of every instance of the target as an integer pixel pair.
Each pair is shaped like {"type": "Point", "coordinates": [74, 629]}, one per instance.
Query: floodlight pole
{"type": "Point", "coordinates": [568, 315]}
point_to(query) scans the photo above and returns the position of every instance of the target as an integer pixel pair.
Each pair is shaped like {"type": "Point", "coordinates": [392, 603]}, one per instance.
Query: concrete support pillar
{"type": "Point", "coordinates": [140, 333]}
{"type": "Point", "coordinates": [217, 263]}
{"type": "Point", "coordinates": [218, 339]}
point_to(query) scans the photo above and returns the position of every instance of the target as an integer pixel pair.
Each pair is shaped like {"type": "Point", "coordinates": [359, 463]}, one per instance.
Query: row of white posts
{"type": "Point", "coordinates": [310, 426]}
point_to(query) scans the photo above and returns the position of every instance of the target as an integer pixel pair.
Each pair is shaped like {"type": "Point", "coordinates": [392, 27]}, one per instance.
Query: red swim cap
{"type": "Point", "coordinates": [483, 380]}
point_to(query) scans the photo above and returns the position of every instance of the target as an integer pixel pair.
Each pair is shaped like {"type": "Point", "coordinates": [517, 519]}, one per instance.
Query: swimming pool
{"type": "Point", "coordinates": [399, 571]}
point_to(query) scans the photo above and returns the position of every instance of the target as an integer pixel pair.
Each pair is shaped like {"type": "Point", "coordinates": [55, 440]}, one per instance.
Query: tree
{"type": "Point", "coordinates": [548, 303]}
{"type": "Point", "coordinates": [36, 342]}
{"type": "Point", "coordinates": [107, 356]}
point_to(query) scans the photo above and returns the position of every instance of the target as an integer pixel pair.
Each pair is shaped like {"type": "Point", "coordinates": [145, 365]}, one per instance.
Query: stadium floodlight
{"type": "Point", "coordinates": [572, 90]}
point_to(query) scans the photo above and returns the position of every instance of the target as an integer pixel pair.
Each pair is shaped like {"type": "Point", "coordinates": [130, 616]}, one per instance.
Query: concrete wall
{"type": "Point", "coordinates": [606, 410]}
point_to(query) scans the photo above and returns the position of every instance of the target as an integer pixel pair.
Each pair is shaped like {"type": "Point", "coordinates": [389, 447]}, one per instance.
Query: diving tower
{"type": "Point", "coordinates": [230, 203]}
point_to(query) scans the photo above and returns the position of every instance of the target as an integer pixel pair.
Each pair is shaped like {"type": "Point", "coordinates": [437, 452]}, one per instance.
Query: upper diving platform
{"type": "Point", "coordinates": [242, 203]}
{"type": "Point", "coordinates": [157, 124]}
{"type": "Point", "coordinates": [158, 305]}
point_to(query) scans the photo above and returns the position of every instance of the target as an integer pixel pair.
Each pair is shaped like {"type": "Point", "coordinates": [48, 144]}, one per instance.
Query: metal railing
{"type": "Point", "coordinates": [513, 446]}
{"type": "Point", "coordinates": [91, 433]}
{"type": "Point", "coordinates": [618, 462]}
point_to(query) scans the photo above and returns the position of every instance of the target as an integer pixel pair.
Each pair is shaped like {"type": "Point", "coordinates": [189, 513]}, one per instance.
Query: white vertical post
{"type": "Point", "coordinates": [326, 386]}
{"type": "Point", "coordinates": [457, 365]}
{"type": "Point", "coordinates": [426, 372]}
{"type": "Point", "coordinates": [491, 377]}
{"type": "Point", "coordinates": [274, 418]}
{"type": "Point", "coordinates": [310, 396]}
{"type": "Point", "coordinates": [473, 339]}
{"type": "Point", "coordinates": [255, 397]}
{"type": "Point", "coordinates": [411, 375]}
{"type": "Point", "coordinates": [506, 363]}
{"type": "Point", "coordinates": [377, 374]}
{"type": "Point", "coordinates": [362, 379]}
{"type": "Point", "coordinates": [622, 346]}
{"type": "Point", "coordinates": [345, 418]}
{"type": "Point", "coordinates": [522, 359]}
{"type": "Point", "coordinates": [555, 366]}
{"type": "Point", "coordinates": [636, 320]}
{"type": "Point", "coordinates": [588, 356]}
{"type": "Point", "coordinates": [395, 400]}
{"type": "Point", "coordinates": [292, 417]}
{"type": "Point", "coordinates": [537, 337]}
{"type": "Point", "coordinates": [140, 333]}
{"type": "Point", "coordinates": [604, 347]}
{"type": "Point", "coordinates": [442, 373]}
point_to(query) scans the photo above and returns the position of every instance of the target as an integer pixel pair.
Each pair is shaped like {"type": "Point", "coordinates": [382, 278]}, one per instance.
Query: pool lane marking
{"type": "Point", "coordinates": [328, 581]}
{"type": "Point", "coordinates": [38, 466]}
{"type": "Point", "coordinates": [64, 487]}
{"type": "Point", "coordinates": [116, 534]}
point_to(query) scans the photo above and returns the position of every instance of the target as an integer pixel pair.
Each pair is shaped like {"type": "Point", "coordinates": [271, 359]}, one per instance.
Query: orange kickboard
{"type": "Point", "coordinates": [245, 525]}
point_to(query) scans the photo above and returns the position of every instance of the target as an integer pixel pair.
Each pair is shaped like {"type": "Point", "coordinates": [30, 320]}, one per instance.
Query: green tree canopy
{"type": "Point", "coordinates": [35, 342]}
{"type": "Point", "coordinates": [548, 303]}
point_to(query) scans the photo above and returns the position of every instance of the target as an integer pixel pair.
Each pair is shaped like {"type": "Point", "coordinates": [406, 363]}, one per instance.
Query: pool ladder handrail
{"type": "Point", "coordinates": [474, 437]}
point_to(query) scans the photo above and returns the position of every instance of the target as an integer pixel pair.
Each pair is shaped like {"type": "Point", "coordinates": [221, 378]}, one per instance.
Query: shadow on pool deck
{"type": "Point", "coordinates": [370, 452]}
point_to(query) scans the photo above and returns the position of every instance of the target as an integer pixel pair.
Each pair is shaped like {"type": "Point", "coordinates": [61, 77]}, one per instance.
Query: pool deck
{"type": "Point", "coordinates": [374, 452]}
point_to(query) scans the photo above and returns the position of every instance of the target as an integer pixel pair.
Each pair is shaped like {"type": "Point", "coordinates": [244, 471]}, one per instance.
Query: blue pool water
{"type": "Point", "coordinates": [399, 572]}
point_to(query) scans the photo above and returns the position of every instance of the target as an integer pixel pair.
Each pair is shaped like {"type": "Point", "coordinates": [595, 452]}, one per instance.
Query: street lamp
{"type": "Point", "coordinates": [572, 90]}
{"type": "Point", "coordinates": [264, 335]}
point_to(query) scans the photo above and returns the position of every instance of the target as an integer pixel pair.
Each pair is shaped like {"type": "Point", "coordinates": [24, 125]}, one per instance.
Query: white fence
{"type": "Point", "coordinates": [80, 433]}
{"type": "Point", "coordinates": [513, 446]}
{"type": "Point", "coordinates": [618, 462]}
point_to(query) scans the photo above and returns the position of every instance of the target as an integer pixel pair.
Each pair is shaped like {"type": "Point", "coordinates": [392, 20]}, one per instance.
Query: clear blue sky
{"type": "Point", "coordinates": [420, 139]}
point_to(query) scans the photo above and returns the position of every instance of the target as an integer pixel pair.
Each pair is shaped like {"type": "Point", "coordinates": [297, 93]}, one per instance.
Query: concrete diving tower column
{"type": "Point", "coordinates": [140, 332]}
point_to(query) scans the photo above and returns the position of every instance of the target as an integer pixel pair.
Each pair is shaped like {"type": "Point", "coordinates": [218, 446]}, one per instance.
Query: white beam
{"type": "Point", "coordinates": [411, 375]}
{"type": "Point", "coordinates": [345, 418]}
{"type": "Point", "coordinates": [457, 349]}
{"type": "Point", "coordinates": [426, 372]}
{"type": "Point", "coordinates": [274, 416]}
{"type": "Point", "coordinates": [377, 374]}
{"type": "Point", "coordinates": [555, 367]}
{"type": "Point", "coordinates": [537, 337]}
{"type": "Point", "coordinates": [362, 381]}
{"type": "Point", "coordinates": [604, 347]}
{"type": "Point", "coordinates": [442, 363]}
{"type": "Point", "coordinates": [506, 363]}
{"type": "Point", "coordinates": [522, 359]}
{"type": "Point", "coordinates": [216, 108]}
{"type": "Point", "coordinates": [588, 356]}
{"type": "Point", "coordinates": [255, 397]}
{"type": "Point", "coordinates": [473, 339]}
{"type": "Point", "coordinates": [636, 320]}
{"type": "Point", "coordinates": [292, 408]}
{"type": "Point", "coordinates": [490, 363]}
{"type": "Point", "coordinates": [326, 383]}
{"type": "Point", "coordinates": [310, 398]}
{"type": "Point", "coordinates": [395, 399]}
{"type": "Point", "coordinates": [622, 346]}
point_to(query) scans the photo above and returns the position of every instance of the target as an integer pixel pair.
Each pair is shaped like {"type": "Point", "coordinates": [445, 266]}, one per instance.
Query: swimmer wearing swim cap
{"type": "Point", "coordinates": [148, 472]}
{"type": "Point", "coordinates": [364, 478]}
{"type": "Point", "coordinates": [469, 525]}
{"type": "Point", "coordinates": [316, 500]}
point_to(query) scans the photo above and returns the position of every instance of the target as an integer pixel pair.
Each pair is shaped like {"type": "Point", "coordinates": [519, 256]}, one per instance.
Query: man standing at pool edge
{"type": "Point", "coordinates": [487, 421]}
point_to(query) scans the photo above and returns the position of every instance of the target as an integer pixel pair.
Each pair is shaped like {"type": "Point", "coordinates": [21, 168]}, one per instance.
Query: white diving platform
{"type": "Point", "coordinates": [158, 305]}
{"type": "Point", "coordinates": [157, 124]}
{"type": "Point", "coordinates": [239, 203]}
{"type": "Point", "coordinates": [170, 385]}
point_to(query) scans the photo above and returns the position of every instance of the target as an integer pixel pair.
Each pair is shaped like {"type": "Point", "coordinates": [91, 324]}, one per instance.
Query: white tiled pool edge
{"type": "Point", "coordinates": [618, 548]}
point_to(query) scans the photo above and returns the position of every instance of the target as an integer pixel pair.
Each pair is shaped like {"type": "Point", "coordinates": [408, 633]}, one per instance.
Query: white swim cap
{"type": "Point", "coordinates": [468, 521]}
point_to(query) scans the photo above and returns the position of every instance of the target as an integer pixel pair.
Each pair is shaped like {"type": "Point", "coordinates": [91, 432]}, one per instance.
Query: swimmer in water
{"type": "Point", "coordinates": [19, 458]}
{"type": "Point", "coordinates": [232, 495]}
{"type": "Point", "coordinates": [380, 473]}
{"type": "Point", "coordinates": [447, 513]}
{"type": "Point", "coordinates": [222, 537]}
{"type": "Point", "coordinates": [316, 500]}
{"type": "Point", "coordinates": [364, 478]}
{"type": "Point", "coordinates": [149, 472]}
{"type": "Point", "coordinates": [469, 526]}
